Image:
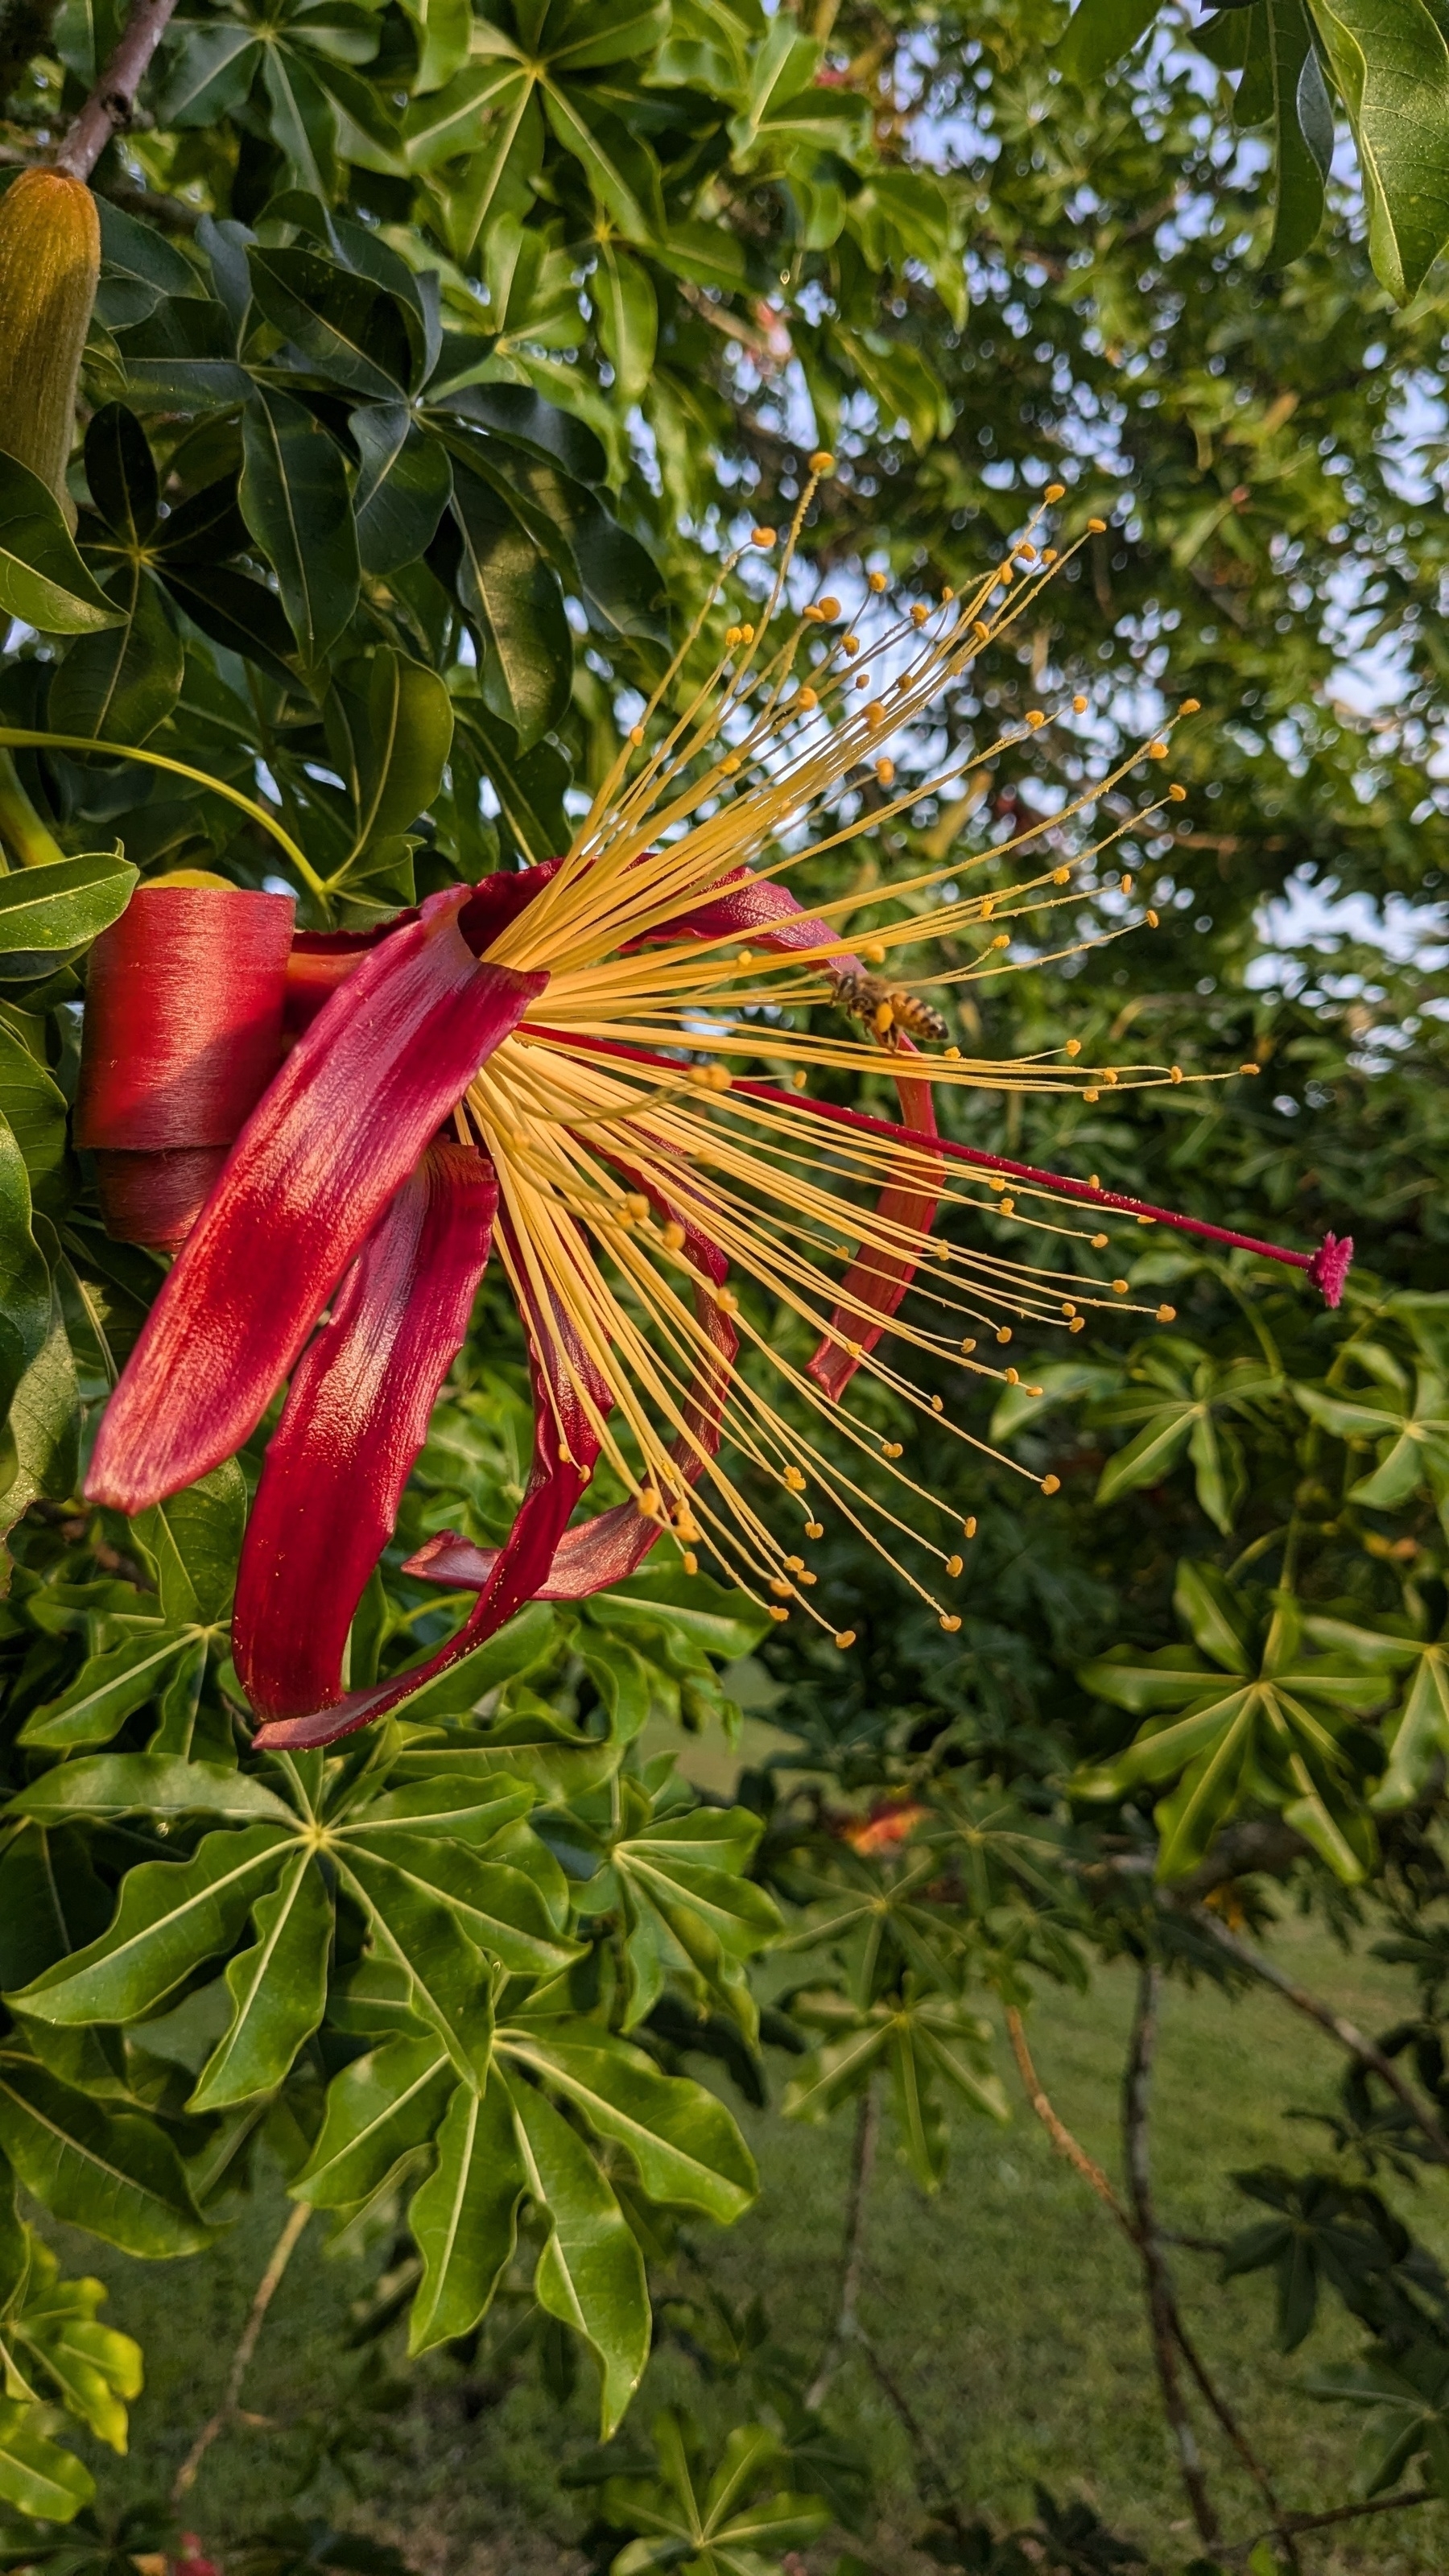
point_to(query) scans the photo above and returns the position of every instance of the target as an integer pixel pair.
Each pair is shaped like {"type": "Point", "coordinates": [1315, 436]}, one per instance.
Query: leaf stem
{"type": "Point", "coordinates": [25, 738]}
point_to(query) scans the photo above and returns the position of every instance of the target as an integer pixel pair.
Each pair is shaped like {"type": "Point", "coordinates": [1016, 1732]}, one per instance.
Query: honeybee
{"type": "Point", "coordinates": [885, 1008]}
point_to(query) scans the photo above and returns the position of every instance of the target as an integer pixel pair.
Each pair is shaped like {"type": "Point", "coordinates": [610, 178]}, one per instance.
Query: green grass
{"type": "Point", "coordinates": [1008, 2308]}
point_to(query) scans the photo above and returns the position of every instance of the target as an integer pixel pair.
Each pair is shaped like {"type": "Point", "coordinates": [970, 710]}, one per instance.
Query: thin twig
{"type": "Point", "coordinates": [1301, 2522]}
{"type": "Point", "coordinates": [1136, 2094]}
{"type": "Point", "coordinates": [1057, 2130]}
{"type": "Point", "coordinates": [111, 107]}
{"type": "Point", "coordinates": [846, 2327]}
{"type": "Point", "coordinates": [1336, 2024]}
{"type": "Point", "coordinates": [266, 2291]}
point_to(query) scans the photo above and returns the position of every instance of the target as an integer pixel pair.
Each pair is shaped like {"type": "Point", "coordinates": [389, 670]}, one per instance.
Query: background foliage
{"type": "Point", "coordinates": [439, 351]}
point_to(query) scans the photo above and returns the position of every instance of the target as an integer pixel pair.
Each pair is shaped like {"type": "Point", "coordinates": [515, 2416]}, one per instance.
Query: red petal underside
{"type": "Point", "coordinates": [323, 959]}
{"type": "Point", "coordinates": [182, 1034]}
{"type": "Point", "coordinates": [342, 1126]}
{"type": "Point", "coordinates": [761, 909]}
{"type": "Point", "coordinates": [521, 1565]}
{"type": "Point", "coordinates": [355, 1418]}
{"type": "Point", "coordinates": [613, 1545]}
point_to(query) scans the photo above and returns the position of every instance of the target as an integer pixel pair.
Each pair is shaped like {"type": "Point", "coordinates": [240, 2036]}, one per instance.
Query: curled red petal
{"type": "Point", "coordinates": [761, 909]}
{"type": "Point", "coordinates": [355, 1418]}
{"type": "Point", "coordinates": [181, 1036]}
{"type": "Point", "coordinates": [565, 1446]}
{"type": "Point", "coordinates": [341, 1127]}
{"type": "Point", "coordinates": [878, 1279]}
{"type": "Point", "coordinates": [323, 959]}
{"type": "Point", "coordinates": [613, 1545]}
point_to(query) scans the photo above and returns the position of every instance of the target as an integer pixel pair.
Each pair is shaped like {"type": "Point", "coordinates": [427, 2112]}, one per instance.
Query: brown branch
{"type": "Point", "coordinates": [1301, 2522]}
{"type": "Point", "coordinates": [1136, 2095]}
{"type": "Point", "coordinates": [111, 107]}
{"type": "Point", "coordinates": [847, 2325]}
{"type": "Point", "coordinates": [1336, 2024]}
{"type": "Point", "coordinates": [1060, 2135]}
{"type": "Point", "coordinates": [229, 2408]}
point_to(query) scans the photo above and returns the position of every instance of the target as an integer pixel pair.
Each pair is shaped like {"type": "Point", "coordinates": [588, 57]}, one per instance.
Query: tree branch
{"type": "Point", "coordinates": [862, 2165]}
{"type": "Point", "coordinates": [266, 2291]}
{"type": "Point", "coordinates": [1136, 2094]}
{"type": "Point", "coordinates": [1301, 2522]}
{"type": "Point", "coordinates": [111, 107]}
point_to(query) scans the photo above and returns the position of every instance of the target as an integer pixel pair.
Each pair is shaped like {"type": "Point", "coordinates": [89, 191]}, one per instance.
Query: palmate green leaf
{"type": "Point", "coordinates": [1420, 1738]}
{"type": "Point", "coordinates": [295, 501]}
{"type": "Point", "coordinates": [389, 727]}
{"type": "Point", "coordinates": [590, 2274]}
{"type": "Point", "coordinates": [39, 2477]}
{"type": "Point", "coordinates": [116, 2174]}
{"type": "Point", "coordinates": [465, 1808]}
{"type": "Point", "coordinates": [51, 1902]}
{"type": "Point", "coordinates": [343, 326]}
{"type": "Point", "coordinates": [620, 168]}
{"type": "Point", "coordinates": [444, 29]}
{"type": "Point", "coordinates": [513, 598]}
{"type": "Point", "coordinates": [464, 2217]}
{"type": "Point", "coordinates": [1100, 33]}
{"type": "Point", "coordinates": [49, 914]}
{"type": "Point", "coordinates": [40, 1448]}
{"type": "Point", "coordinates": [452, 1984]}
{"type": "Point", "coordinates": [122, 1784]}
{"type": "Point", "coordinates": [627, 314]}
{"type": "Point", "coordinates": [191, 1542]}
{"type": "Point", "coordinates": [450, 120]}
{"type": "Point", "coordinates": [1390, 59]}
{"type": "Point", "coordinates": [379, 2109]}
{"type": "Point", "coordinates": [841, 2066]}
{"type": "Point", "coordinates": [498, 178]}
{"type": "Point", "coordinates": [119, 685]}
{"type": "Point", "coordinates": [404, 486]}
{"type": "Point", "coordinates": [278, 1990]}
{"type": "Point", "coordinates": [42, 578]}
{"type": "Point", "coordinates": [682, 2139]}
{"type": "Point", "coordinates": [170, 1916]}
{"type": "Point", "coordinates": [499, 1909]}
{"type": "Point", "coordinates": [96, 2370]}
{"type": "Point", "coordinates": [1408, 2413]}
{"type": "Point", "coordinates": [108, 1688]}
{"type": "Point", "coordinates": [34, 1108]}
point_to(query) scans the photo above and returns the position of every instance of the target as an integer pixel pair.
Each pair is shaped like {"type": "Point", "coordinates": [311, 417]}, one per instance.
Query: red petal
{"type": "Point", "coordinates": [342, 1126]}
{"type": "Point", "coordinates": [182, 1034]}
{"type": "Point", "coordinates": [763, 910]}
{"type": "Point", "coordinates": [356, 1416]}
{"type": "Point", "coordinates": [876, 1278]}
{"type": "Point", "coordinates": [323, 959]}
{"type": "Point", "coordinates": [612, 1546]}
{"type": "Point", "coordinates": [521, 1565]}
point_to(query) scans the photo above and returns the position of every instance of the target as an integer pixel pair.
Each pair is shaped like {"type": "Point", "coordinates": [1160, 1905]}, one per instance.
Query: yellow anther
{"type": "Point", "coordinates": [1056, 492]}
{"type": "Point", "coordinates": [1093, 1181]}
{"type": "Point", "coordinates": [805, 699]}
{"type": "Point", "coordinates": [1048, 554]}
{"type": "Point", "coordinates": [968, 1346]}
{"type": "Point", "coordinates": [845, 1637]}
{"type": "Point", "coordinates": [636, 735]}
{"type": "Point", "coordinates": [1126, 886]}
{"type": "Point", "coordinates": [950, 1622]}
{"type": "Point", "coordinates": [1167, 1314]}
{"type": "Point", "coordinates": [777, 1613]}
{"type": "Point", "coordinates": [794, 1481]}
{"type": "Point", "coordinates": [872, 951]}
{"type": "Point", "coordinates": [947, 594]}
{"type": "Point", "coordinates": [875, 715]}
{"type": "Point", "coordinates": [1152, 919]}
{"type": "Point", "coordinates": [994, 1181]}
{"type": "Point", "coordinates": [829, 607]}
{"type": "Point", "coordinates": [1036, 1390]}
{"type": "Point", "coordinates": [882, 1018]}
{"type": "Point", "coordinates": [1007, 1208]}
{"type": "Point", "coordinates": [856, 1350]}
{"type": "Point", "coordinates": [980, 630]}
{"type": "Point", "coordinates": [892, 1449]}
{"type": "Point", "coordinates": [731, 764]}
{"type": "Point", "coordinates": [1110, 1074]}
{"type": "Point", "coordinates": [876, 581]}
{"type": "Point", "coordinates": [1061, 876]}
{"type": "Point", "coordinates": [781, 1589]}
{"type": "Point", "coordinates": [1073, 1047]}
{"type": "Point", "coordinates": [726, 1300]}
{"type": "Point", "coordinates": [1096, 527]}
{"type": "Point", "coordinates": [1079, 706]}
{"type": "Point", "coordinates": [1100, 1242]}
{"type": "Point", "coordinates": [733, 636]}
{"type": "Point", "coordinates": [691, 1561]}
{"type": "Point", "coordinates": [637, 1205]}
{"type": "Point", "coordinates": [762, 537]}
{"type": "Point", "coordinates": [747, 634]}
{"type": "Point", "coordinates": [1250, 1068]}
{"type": "Point", "coordinates": [1157, 751]}
{"type": "Point", "coordinates": [969, 1525]}
{"type": "Point", "coordinates": [953, 1055]}
{"type": "Point", "coordinates": [1067, 1307]}
{"type": "Point", "coordinates": [647, 1503]}
{"type": "Point", "coordinates": [1026, 552]}
{"type": "Point", "coordinates": [1119, 1287]}
{"type": "Point", "coordinates": [717, 1077]}
{"type": "Point", "coordinates": [808, 1578]}
{"type": "Point", "coordinates": [861, 680]}
{"type": "Point", "coordinates": [885, 771]}
{"type": "Point", "coordinates": [1051, 1484]}
{"type": "Point", "coordinates": [744, 957]}
{"type": "Point", "coordinates": [699, 1075]}
{"type": "Point", "coordinates": [1003, 1332]}
{"type": "Point", "coordinates": [919, 612]}
{"type": "Point", "coordinates": [1147, 1220]}
{"type": "Point", "coordinates": [1012, 1378]}
{"type": "Point", "coordinates": [796, 1564]}
{"type": "Point", "coordinates": [1178, 794]}
{"type": "Point", "coordinates": [800, 1081]}
{"type": "Point", "coordinates": [850, 644]}
{"type": "Point", "coordinates": [1092, 1097]}
{"type": "Point", "coordinates": [1189, 707]}
{"type": "Point", "coordinates": [822, 462]}
{"type": "Point", "coordinates": [1035, 717]}
{"type": "Point", "coordinates": [815, 1529]}
{"type": "Point", "coordinates": [937, 1404]}
{"type": "Point", "coordinates": [954, 1565]}
{"type": "Point", "coordinates": [1176, 1073]}
{"type": "Point", "coordinates": [1077, 1324]}
{"type": "Point", "coordinates": [1002, 939]}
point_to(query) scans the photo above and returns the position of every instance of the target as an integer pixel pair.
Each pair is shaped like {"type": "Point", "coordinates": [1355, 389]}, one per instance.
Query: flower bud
{"type": "Point", "coordinates": [50, 261]}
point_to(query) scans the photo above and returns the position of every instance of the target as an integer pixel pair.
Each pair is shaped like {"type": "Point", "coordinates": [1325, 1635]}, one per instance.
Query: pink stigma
{"type": "Point", "coordinates": [1330, 1266]}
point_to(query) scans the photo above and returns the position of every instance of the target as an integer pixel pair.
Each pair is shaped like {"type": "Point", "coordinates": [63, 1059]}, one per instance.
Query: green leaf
{"type": "Point", "coordinates": [107, 1689]}
{"type": "Point", "coordinates": [42, 578]}
{"type": "Point", "coordinates": [118, 686]}
{"type": "Point", "coordinates": [116, 2174]}
{"type": "Point", "coordinates": [1390, 59]}
{"type": "Point", "coordinates": [682, 2139]}
{"type": "Point", "coordinates": [1303, 118]}
{"type": "Point", "coordinates": [378, 2109]}
{"type": "Point", "coordinates": [465, 2216]}
{"type": "Point", "coordinates": [191, 1543]}
{"type": "Point", "coordinates": [169, 1917]}
{"type": "Point", "coordinates": [452, 1987]}
{"type": "Point", "coordinates": [33, 1105]}
{"type": "Point", "coordinates": [627, 314]}
{"type": "Point", "coordinates": [24, 1278]}
{"type": "Point", "coordinates": [454, 119]}
{"type": "Point", "coordinates": [391, 744]}
{"type": "Point", "coordinates": [529, 785]}
{"type": "Point", "coordinates": [465, 1810]}
{"type": "Point", "coordinates": [121, 471]}
{"type": "Point", "coordinates": [44, 1424]}
{"type": "Point", "coordinates": [37, 2476]}
{"type": "Point", "coordinates": [49, 914]}
{"type": "Point", "coordinates": [344, 326]}
{"type": "Point", "coordinates": [499, 1909]}
{"type": "Point", "coordinates": [444, 29]}
{"type": "Point", "coordinates": [620, 168]}
{"type": "Point", "coordinates": [1101, 32]}
{"type": "Point", "coordinates": [404, 486]}
{"type": "Point", "coordinates": [124, 1784]}
{"type": "Point", "coordinates": [513, 599]}
{"type": "Point", "coordinates": [590, 2274]}
{"type": "Point", "coordinates": [294, 499]}
{"type": "Point", "coordinates": [278, 1990]}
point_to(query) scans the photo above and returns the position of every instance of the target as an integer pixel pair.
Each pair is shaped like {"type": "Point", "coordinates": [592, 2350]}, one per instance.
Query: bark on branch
{"type": "Point", "coordinates": [111, 107]}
